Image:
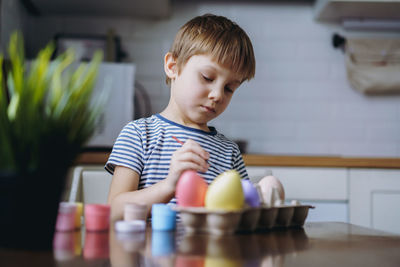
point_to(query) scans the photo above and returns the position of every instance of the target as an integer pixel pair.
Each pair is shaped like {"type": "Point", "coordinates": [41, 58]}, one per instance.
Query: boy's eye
{"type": "Point", "coordinates": [228, 89]}
{"type": "Point", "coordinates": [207, 79]}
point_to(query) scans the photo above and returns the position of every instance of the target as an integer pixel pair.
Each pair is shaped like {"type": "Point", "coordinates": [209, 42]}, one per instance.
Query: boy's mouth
{"type": "Point", "coordinates": [209, 109]}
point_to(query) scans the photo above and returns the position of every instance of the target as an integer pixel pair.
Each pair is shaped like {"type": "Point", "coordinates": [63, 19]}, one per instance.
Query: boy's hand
{"type": "Point", "coordinates": [191, 156]}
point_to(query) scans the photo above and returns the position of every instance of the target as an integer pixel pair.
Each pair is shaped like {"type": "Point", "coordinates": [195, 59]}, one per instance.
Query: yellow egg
{"type": "Point", "coordinates": [225, 192]}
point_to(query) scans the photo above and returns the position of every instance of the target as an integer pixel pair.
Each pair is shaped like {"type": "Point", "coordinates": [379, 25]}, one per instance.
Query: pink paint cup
{"type": "Point", "coordinates": [97, 217]}
{"type": "Point", "coordinates": [66, 217]}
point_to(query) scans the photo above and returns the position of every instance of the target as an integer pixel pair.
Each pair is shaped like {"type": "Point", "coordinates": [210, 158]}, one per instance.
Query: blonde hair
{"type": "Point", "coordinates": [219, 37]}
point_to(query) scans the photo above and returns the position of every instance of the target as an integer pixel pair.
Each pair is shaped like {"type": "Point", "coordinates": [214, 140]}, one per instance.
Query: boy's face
{"type": "Point", "coordinates": [202, 90]}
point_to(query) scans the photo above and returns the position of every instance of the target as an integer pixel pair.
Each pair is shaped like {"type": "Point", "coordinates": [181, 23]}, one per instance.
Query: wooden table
{"type": "Point", "coordinates": [317, 244]}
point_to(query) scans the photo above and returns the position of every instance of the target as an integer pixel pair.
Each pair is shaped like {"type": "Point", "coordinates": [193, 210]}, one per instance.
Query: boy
{"type": "Point", "coordinates": [210, 57]}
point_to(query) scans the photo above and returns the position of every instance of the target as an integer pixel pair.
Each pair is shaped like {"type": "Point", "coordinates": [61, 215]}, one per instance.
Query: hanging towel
{"type": "Point", "coordinates": [373, 66]}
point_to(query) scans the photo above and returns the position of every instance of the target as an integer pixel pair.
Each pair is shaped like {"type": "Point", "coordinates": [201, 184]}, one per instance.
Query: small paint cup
{"type": "Point", "coordinates": [66, 217]}
{"type": "Point", "coordinates": [97, 217]}
{"type": "Point", "coordinates": [78, 215]}
{"type": "Point", "coordinates": [163, 217]}
{"type": "Point", "coordinates": [135, 211]}
{"type": "Point", "coordinates": [130, 226]}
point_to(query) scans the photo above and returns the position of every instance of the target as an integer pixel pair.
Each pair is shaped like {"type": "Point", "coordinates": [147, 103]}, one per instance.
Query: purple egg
{"type": "Point", "coordinates": [250, 194]}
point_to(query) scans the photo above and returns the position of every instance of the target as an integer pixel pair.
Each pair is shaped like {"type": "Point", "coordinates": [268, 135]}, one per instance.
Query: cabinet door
{"type": "Point", "coordinates": [324, 188]}
{"type": "Point", "coordinates": [326, 184]}
{"type": "Point", "coordinates": [375, 199]}
{"type": "Point", "coordinates": [256, 173]}
{"type": "Point", "coordinates": [95, 186]}
{"type": "Point", "coordinates": [89, 184]}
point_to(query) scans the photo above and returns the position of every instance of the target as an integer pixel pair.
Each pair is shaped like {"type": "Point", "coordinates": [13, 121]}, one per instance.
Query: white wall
{"type": "Point", "coordinates": [298, 103]}
{"type": "Point", "coordinates": [12, 17]}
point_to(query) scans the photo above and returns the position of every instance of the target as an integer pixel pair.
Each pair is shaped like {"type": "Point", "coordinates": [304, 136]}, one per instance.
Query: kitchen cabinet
{"type": "Point", "coordinates": [338, 10]}
{"type": "Point", "coordinates": [324, 188]}
{"type": "Point", "coordinates": [87, 184]}
{"type": "Point", "coordinates": [363, 196]}
{"type": "Point", "coordinates": [375, 198]}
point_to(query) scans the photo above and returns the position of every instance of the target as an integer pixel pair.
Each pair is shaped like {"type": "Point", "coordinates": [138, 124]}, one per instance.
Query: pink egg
{"type": "Point", "coordinates": [250, 194]}
{"type": "Point", "coordinates": [191, 189]}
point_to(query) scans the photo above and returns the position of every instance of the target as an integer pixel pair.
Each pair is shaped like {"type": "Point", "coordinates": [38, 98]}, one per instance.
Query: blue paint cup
{"type": "Point", "coordinates": [163, 217]}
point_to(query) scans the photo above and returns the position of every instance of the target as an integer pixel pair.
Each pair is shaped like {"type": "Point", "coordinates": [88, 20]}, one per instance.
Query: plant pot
{"type": "Point", "coordinates": [29, 206]}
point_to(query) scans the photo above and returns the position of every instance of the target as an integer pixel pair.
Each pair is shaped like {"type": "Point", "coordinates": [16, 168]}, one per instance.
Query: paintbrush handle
{"type": "Point", "coordinates": [177, 140]}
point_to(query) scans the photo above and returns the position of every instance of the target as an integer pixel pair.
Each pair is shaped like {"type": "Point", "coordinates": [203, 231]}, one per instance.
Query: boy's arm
{"type": "Point", "coordinates": [124, 187]}
{"type": "Point", "coordinates": [125, 182]}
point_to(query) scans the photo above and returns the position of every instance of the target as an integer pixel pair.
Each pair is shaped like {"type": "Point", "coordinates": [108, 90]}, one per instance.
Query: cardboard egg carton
{"type": "Point", "coordinates": [220, 222]}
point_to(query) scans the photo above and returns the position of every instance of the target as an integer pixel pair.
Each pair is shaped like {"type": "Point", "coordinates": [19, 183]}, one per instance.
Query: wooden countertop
{"type": "Point", "coordinates": [320, 161]}
{"type": "Point", "coordinates": [317, 244]}
{"type": "Point", "coordinates": [281, 160]}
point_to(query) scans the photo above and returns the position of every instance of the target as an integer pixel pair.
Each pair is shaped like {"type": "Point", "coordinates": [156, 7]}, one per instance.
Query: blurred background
{"type": "Point", "coordinates": [300, 101]}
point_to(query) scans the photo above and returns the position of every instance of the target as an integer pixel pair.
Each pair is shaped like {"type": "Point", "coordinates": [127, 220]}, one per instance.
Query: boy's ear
{"type": "Point", "coordinates": [170, 66]}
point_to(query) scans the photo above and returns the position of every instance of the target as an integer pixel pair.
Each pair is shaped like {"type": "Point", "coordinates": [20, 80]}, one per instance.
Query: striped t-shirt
{"type": "Point", "coordinates": [146, 146]}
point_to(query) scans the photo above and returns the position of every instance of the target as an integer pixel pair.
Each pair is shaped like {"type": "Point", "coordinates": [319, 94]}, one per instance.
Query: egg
{"type": "Point", "coordinates": [191, 189]}
{"type": "Point", "coordinates": [250, 194]}
{"type": "Point", "coordinates": [272, 191]}
{"type": "Point", "coordinates": [225, 192]}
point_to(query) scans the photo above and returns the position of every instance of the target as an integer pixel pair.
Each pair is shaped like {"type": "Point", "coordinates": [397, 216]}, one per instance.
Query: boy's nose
{"type": "Point", "coordinates": [216, 93]}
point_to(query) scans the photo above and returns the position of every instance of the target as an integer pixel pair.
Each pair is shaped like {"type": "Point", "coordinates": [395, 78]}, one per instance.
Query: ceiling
{"type": "Point", "coordinates": [120, 8]}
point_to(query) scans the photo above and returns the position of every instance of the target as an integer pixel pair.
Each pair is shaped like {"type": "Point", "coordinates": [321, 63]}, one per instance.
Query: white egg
{"type": "Point", "coordinates": [272, 190]}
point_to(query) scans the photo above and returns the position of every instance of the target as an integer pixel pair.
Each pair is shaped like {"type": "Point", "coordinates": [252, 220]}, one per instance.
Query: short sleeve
{"type": "Point", "coordinates": [127, 150]}
{"type": "Point", "coordinates": [239, 164]}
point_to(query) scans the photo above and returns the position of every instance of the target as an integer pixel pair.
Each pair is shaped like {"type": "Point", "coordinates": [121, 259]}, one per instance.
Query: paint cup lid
{"type": "Point", "coordinates": [67, 207]}
{"type": "Point", "coordinates": [97, 209]}
{"type": "Point", "coordinates": [130, 226]}
{"type": "Point", "coordinates": [162, 209]}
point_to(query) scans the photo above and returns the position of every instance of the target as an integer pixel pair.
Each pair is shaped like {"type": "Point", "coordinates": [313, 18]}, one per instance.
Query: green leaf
{"type": "Point", "coordinates": [16, 52]}
{"type": "Point", "coordinates": [14, 98]}
{"type": "Point", "coordinates": [50, 112]}
{"type": "Point", "coordinates": [39, 75]}
{"type": "Point", "coordinates": [6, 155]}
{"type": "Point", "coordinates": [3, 101]}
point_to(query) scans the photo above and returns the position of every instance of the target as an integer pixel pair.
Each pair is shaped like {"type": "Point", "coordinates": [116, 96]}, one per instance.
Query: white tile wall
{"type": "Point", "coordinates": [298, 103]}
{"type": "Point", "coordinates": [12, 17]}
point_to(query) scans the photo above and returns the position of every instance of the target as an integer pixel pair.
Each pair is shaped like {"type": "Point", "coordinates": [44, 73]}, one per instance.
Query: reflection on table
{"type": "Point", "coordinates": [317, 244]}
{"type": "Point", "coordinates": [167, 248]}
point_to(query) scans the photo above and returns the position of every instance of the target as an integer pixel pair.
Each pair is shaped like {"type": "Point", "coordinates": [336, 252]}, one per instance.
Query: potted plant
{"type": "Point", "coordinates": [47, 113]}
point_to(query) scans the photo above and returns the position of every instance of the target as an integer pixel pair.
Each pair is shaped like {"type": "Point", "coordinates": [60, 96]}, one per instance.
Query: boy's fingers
{"type": "Point", "coordinates": [196, 148]}
{"type": "Point", "coordinates": [194, 158]}
{"type": "Point", "coordinates": [191, 166]}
